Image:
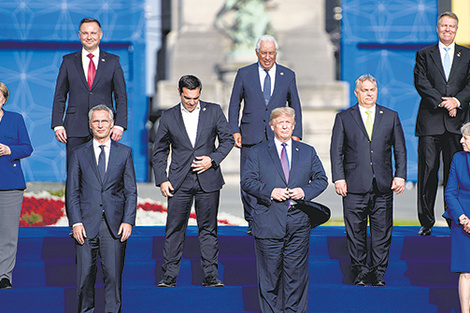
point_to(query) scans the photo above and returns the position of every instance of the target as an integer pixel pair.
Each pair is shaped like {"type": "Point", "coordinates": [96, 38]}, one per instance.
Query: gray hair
{"type": "Point", "coordinates": [100, 107]}
{"type": "Point", "coordinates": [4, 90]}
{"type": "Point", "coordinates": [266, 38]}
{"type": "Point", "coordinates": [363, 78]}
{"type": "Point", "coordinates": [465, 129]}
{"type": "Point", "coordinates": [282, 111]}
{"type": "Point", "coordinates": [448, 14]}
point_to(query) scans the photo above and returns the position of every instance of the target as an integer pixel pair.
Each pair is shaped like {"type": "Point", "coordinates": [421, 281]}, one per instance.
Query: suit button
{"type": "Point", "coordinates": [101, 204]}
{"type": "Point", "coordinates": [371, 151]}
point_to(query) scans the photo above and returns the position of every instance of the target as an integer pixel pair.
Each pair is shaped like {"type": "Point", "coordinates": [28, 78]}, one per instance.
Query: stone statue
{"type": "Point", "coordinates": [245, 25]}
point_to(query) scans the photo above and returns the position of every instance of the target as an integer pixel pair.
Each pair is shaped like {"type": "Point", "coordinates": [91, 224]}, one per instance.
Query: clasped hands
{"type": "Point", "coordinates": [465, 222]}
{"type": "Point", "coordinates": [450, 104]}
{"type": "Point", "coordinates": [4, 150]}
{"type": "Point", "coordinates": [283, 194]}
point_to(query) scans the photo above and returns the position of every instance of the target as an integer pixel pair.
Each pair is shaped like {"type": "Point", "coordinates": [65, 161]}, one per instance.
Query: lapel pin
{"type": "Point", "coordinates": [203, 109]}
{"type": "Point", "coordinates": [282, 73]}
{"type": "Point", "coordinates": [458, 54]}
{"type": "Point", "coordinates": [296, 149]}
{"type": "Point", "coordinates": [102, 60]}
{"type": "Point", "coordinates": [381, 112]}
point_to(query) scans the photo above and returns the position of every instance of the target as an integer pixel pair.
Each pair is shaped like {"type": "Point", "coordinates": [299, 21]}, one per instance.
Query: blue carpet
{"type": "Point", "coordinates": [418, 278]}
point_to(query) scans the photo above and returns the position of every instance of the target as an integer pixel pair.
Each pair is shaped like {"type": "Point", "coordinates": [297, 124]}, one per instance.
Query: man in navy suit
{"type": "Point", "coordinates": [362, 142]}
{"type": "Point", "coordinates": [263, 86]}
{"type": "Point", "coordinates": [190, 130]}
{"type": "Point", "coordinates": [87, 77]}
{"type": "Point", "coordinates": [442, 79]}
{"type": "Point", "coordinates": [101, 206]}
{"type": "Point", "coordinates": [278, 173]}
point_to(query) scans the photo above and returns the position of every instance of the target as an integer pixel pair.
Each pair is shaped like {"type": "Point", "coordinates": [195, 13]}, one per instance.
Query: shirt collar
{"type": "Point", "coordinates": [96, 53]}
{"type": "Point", "coordinates": [97, 145]}
{"type": "Point", "coordinates": [183, 109]}
{"type": "Point", "coordinates": [363, 110]}
{"type": "Point", "coordinates": [271, 71]}
{"type": "Point", "coordinates": [451, 46]}
{"type": "Point", "coordinates": [279, 143]}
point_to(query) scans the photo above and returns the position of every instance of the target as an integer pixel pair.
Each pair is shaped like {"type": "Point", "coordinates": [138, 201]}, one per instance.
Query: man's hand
{"type": "Point", "coordinates": [79, 233]}
{"type": "Point", "coordinates": [341, 188]}
{"type": "Point", "coordinates": [201, 164]}
{"type": "Point", "coordinates": [61, 135]}
{"type": "Point", "coordinates": [280, 194]}
{"type": "Point", "coordinates": [238, 140]}
{"type": "Point", "coordinates": [4, 150]}
{"type": "Point", "coordinates": [116, 133]}
{"type": "Point", "coordinates": [449, 103]}
{"type": "Point", "coordinates": [295, 138]}
{"type": "Point", "coordinates": [453, 113]}
{"type": "Point", "coordinates": [296, 193]}
{"type": "Point", "coordinates": [166, 188]}
{"type": "Point", "coordinates": [125, 231]}
{"type": "Point", "coordinates": [398, 185]}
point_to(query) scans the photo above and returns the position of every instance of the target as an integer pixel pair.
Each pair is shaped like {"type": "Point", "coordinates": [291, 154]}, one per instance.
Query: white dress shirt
{"type": "Point", "coordinates": [262, 76]}
{"type": "Point", "coordinates": [97, 149]}
{"type": "Point", "coordinates": [364, 114]}
{"type": "Point", "coordinates": [86, 60]}
{"type": "Point", "coordinates": [288, 150]}
{"type": "Point", "coordinates": [443, 52]}
{"type": "Point", "coordinates": [191, 119]}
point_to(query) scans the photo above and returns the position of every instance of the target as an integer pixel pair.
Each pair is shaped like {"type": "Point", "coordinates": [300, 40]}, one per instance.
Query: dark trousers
{"type": "Point", "coordinates": [378, 209]}
{"type": "Point", "coordinates": [111, 252]}
{"type": "Point", "coordinates": [429, 152]}
{"type": "Point", "coordinates": [179, 209]}
{"type": "Point", "coordinates": [282, 266]}
{"type": "Point", "coordinates": [248, 201]}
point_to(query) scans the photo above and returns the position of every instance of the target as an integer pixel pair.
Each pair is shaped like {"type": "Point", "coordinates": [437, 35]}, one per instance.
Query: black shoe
{"type": "Point", "coordinates": [249, 232]}
{"type": "Point", "coordinates": [5, 283]}
{"type": "Point", "coordinates": [361, 280]}
{"type": "Point", "coordinates": [379, 282]}
{"type": "Point", "coordinates": [167, 281]}
{"type": "Point", "coordinates": [424, 231]}
{"type": "Point", "coordinates": [212, 281]}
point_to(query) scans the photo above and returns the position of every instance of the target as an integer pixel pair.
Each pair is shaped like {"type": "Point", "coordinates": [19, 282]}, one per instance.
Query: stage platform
{"type": "Point", "coordinates": [418, 278]}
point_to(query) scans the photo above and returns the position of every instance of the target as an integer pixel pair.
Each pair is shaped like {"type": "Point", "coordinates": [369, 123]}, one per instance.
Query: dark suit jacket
{"type": "Point", "coordinates": [72, 83]}
{"type": "Point", "coordinates": [88, 196]}
{"type": "Point", "coordinates": [358, 160]}
{"type": "Point", "coordinates": [14, 134]}
{"type": "Point", "coordinates": [171, 133]}
{"type": "Point", "coordinates": [263, 172]}
{"type": "Point", "coordinates": [256, 115]}
{"type": "Point", "coordinates": [431, 85]}
{"type": "Point", "coordinates": [458, 187]}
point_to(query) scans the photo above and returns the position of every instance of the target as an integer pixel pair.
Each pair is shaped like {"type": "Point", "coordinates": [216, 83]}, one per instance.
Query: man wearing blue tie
{"type": "Point", "coordinates": [282, 174]}
{"type": "Point", "coordinates": [442, 79]}
{"type": "Point", "coordinates": [262, 86]}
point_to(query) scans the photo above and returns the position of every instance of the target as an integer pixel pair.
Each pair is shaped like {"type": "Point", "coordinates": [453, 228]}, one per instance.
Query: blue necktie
{"type": "Point", "coordinates": [102, 162]}
{"type": "Point", "coordinates": [447, 63]}
{"type": "Point", "coordinates": [267, 88]}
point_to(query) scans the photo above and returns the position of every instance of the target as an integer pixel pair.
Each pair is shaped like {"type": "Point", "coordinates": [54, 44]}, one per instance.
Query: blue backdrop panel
{"type": "Point", "coordinates": [381, 38]}
{"type": "Point", "coordinates": [35, 35]}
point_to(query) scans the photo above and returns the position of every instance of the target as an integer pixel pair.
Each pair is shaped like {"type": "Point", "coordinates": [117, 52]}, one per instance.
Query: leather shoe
{"type": "Point", "coordinates": [361, 280]}
{"type": "Point", "coordinates": [424, 231]}
{"type": "Point", "coordinates": [5, 283]}
{"type": "Point", "coordinates": [379, 283]}
{"type": "Point", "coordinates": [212, 281]}
{"type": "Point", "coordinates": [167, 281]}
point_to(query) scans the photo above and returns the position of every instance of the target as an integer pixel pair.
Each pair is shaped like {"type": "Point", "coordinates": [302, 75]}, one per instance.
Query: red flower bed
{"type": "Point", "coordinates": [38, 211]}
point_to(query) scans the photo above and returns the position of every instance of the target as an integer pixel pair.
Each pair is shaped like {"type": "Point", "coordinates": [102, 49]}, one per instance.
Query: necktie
{"type": "Point", "coordinates": [369, 124]}
{"type": "Point", "coordinates": [267, 88]}
{"type": "Point", "coordinates": [447, 62]}
{"type": "Point", "coordinates": [91, 70]}
{"type": "Point", "coordinates": [102, 162]}
{"type": "Point", "coordinates": [285, 161]}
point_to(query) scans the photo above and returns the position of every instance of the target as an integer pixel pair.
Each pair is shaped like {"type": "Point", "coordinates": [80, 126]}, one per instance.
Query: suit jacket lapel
{"type": "Point", "coordinates": [379, 113]}
{"type": "Point", "coordinates": [295, 159]}
{"type": "Point", "coordinates": [113, 156]}
{"type": "Point", "coordinates": [201, 121]}
{"type": "Point", "coordinates": [356, 114]}
{"type": "Point", "coordinates": [79, 67]}
{"type": "Point", "coordinates": [456, 60]}
{"type": "Point", "coordinates": [92, 160]}
{"type": "Point", "coordinates": [436, 57]}
{"type": "Point", "coordinates": [276, 161]}
{"type": "Point", "coordinates": [257, 82]}
{"type": "Point", "coordinates": [180, 122]}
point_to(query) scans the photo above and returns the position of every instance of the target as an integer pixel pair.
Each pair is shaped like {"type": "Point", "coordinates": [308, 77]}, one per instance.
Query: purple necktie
{"type": "Point", "coordinates": [284, 161]}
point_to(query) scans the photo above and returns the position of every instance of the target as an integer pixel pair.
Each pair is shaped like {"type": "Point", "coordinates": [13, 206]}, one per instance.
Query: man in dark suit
{"type": "Point", "coordinates": [87, 77]}
{"type": "Point", "coordinates": [279, 173]}
{"type": "Point", "coordinates": [262, 86]}
{"type": "Point", "coordinates": [361, 160]}
{"type": "Point", "coordinates": [190, 130]}
{"type": "Point", "coordinates": [101, 206]}
{"type": "Point", "coordinates": [442, 79]}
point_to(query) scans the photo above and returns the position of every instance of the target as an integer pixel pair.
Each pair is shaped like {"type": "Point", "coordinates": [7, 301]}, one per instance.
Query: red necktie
{"type": "Point", "coordinates": [91, 70]}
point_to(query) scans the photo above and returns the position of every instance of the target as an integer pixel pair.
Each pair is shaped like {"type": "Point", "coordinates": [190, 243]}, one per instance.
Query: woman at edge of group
{"type": "Point", "coordinates": [14, 145]}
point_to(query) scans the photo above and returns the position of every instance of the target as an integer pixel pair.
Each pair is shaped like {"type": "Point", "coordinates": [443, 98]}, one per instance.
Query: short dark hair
{"type": "Point", "coordinates": [89, 20]}
{"type": "Point", "coordinates": [189, 81]}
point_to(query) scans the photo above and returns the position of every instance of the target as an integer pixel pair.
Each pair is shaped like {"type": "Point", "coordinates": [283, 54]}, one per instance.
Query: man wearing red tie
{"type": "Point", "coordinates": [88, 77]}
